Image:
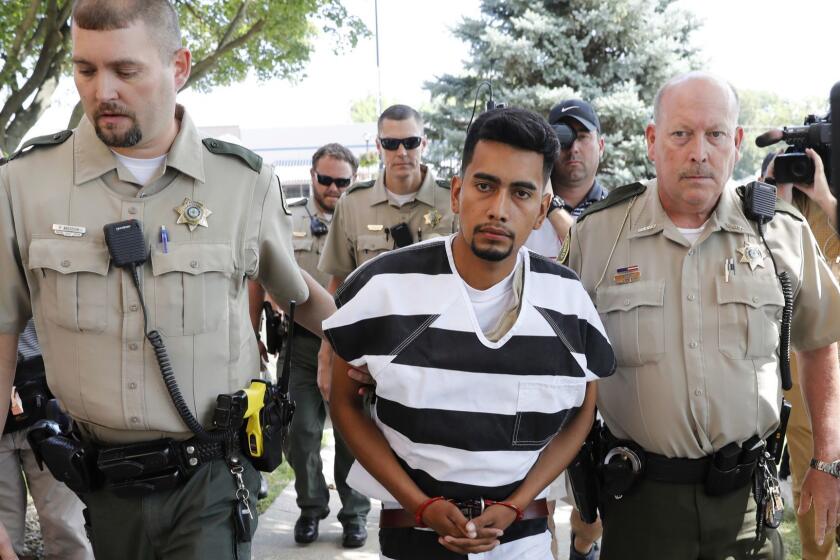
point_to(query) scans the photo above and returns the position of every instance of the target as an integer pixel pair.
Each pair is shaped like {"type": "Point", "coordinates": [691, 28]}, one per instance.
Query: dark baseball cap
{"type": "Point", "coordinates": [576, 109]}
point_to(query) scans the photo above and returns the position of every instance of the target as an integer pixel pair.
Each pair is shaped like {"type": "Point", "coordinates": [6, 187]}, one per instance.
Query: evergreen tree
{"type": "Point", "coordinates": [612, 53]}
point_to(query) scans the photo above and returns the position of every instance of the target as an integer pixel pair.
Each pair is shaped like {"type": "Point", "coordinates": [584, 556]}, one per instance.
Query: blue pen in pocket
{"type": "Point", "coordinates": [164, 238]}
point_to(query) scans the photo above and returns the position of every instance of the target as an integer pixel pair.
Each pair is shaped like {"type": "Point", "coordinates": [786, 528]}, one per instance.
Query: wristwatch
{"type": "Point", "coordinates": [831, 468]}
{"type": "Point", "coordinates": [556, 203]}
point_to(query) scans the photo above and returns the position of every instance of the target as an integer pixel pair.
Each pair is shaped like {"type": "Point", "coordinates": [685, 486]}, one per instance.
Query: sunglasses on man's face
{"type": "Point", "coordinates": [340, 182]}
{"type": "Point", "coordinates": [392, 144]}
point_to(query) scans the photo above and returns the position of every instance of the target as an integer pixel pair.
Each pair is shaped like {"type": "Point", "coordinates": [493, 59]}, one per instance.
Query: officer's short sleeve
{"type": "Point", "coordinates": [14, 295]}
{"type": "Point", "coordinates": [276, 268]}
{"type": "Point", "coordinates": [816, 322]}
{"type": "Point", "coordinates": [348, 329]}
{"type": "Point", "coordinates": [337, 256]}
{"type": "Point", "coordinates": [572, 250]}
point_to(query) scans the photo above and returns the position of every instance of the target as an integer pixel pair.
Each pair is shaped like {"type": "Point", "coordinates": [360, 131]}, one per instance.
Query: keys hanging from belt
{"type": "Point", "coordinates": [774, 507]}
{"type": "Point", "coordinates": [242, 515]}
{"type": "Point", "coordinates": [770, 507]}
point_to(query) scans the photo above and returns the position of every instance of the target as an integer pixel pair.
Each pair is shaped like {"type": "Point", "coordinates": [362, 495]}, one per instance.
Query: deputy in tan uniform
{"type": "Point", "coordinates": [819, 206]}
{"type": "Point", "coordinates": [404, 205]}
{"type": "Point", "coordinates": [689, 296]}
{"type": "Point", "coordinates": [333, 170]}
{"type": "Point", "coordinates": [224, 219]}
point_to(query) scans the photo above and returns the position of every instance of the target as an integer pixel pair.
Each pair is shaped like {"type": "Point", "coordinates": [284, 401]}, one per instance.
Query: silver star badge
{"type": "Point", "coordinates": [752, 255]}
{"type": "Point", "coordinates": [193, 213]}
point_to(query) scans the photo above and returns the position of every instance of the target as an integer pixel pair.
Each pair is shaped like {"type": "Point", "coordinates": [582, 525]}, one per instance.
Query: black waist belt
{"type": "Point", "coordinates": [677, 470]}
{"type": "Point", "coordinates": [122, 463]}
{"type": "Point", "coordinates": [302, 332]}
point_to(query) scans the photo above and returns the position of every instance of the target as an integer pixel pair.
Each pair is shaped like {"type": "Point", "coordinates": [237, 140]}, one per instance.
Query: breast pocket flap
{"type": "Point", "coordinates": [67, 256]}
{"type": "Point", "coordinates": [193, 258]}
{"type": "Point", "coordinates": [629, 296]}
{"type": "Point", "coordinates": [374, 242]}
{"type": "Point", "coordinates": [754, 294]}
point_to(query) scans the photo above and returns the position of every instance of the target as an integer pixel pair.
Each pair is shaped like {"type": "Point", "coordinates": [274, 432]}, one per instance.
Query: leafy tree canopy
{"type": "Point", "coordinates": [228, 39]}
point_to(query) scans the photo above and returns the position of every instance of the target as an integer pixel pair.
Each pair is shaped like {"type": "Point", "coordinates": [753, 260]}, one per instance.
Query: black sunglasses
{"type": "Point", "coordinates": [340, 182]}
{"type": "Point", "coordinates": [392, 144]}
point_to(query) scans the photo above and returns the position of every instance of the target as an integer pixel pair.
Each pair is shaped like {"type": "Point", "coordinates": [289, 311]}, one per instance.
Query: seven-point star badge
{"type": "Point", "coordinates": [193, 213]}
{"type": "Point", "coordinates": [432, 218]}
{"type": "Point", "coordinates": [752, 255]}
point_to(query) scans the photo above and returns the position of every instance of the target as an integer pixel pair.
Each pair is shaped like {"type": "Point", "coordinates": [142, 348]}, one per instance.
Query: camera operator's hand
{"type": "Point", "coordinates": [6, 551]}
{"type": "Point", "coordinates": [783, 190]}
{"type": "Point", "coordinates": [819, 191]}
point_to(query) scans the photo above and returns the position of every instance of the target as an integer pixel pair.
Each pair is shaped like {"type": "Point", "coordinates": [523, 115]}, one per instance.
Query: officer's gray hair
{"type": "Point", "coordinates": [160, 18]}
{"type": "Point", "coordinates": [657, 100]}
{"type": "Point", "coordinates": [338, 152]}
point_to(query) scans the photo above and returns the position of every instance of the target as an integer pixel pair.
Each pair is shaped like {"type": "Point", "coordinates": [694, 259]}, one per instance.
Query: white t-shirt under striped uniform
{"type": "Point", "coordinates": [466, 417]}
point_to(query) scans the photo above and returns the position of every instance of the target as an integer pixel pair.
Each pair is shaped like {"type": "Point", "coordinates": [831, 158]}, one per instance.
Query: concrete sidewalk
{"type": "Point", "coordinates": [274, 539]}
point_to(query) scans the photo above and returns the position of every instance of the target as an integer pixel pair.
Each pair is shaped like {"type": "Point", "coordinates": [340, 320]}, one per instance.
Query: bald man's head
{"type": "Point", "coordinates": [694, 143]}
{"type": "Point", "coordinates": [692, 78]}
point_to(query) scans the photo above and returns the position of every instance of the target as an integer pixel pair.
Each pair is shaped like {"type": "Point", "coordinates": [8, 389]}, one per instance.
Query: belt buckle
{"type": "Point", "coordinates": [470, 508]}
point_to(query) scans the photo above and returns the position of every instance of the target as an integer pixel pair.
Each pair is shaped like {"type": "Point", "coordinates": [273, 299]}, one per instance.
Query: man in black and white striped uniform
{"type": "Point", "coordinates": [481, 352]}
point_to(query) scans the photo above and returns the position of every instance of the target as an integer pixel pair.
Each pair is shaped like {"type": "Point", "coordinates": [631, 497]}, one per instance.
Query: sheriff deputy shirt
{"type": "Point", "coordinates": [466, 417]}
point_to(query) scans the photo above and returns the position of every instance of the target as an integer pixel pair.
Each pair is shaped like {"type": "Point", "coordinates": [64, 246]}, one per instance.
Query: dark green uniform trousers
{"type": "Point", "coordinates": [303, 445]}
{"type": "Point", "coordinates": [658, 520]}
{"type": "Point", "coordinates": [191, 522]}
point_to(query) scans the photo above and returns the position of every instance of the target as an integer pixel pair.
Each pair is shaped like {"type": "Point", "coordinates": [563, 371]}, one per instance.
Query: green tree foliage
{"type": "Point", "coordinates": [613, 53]}
{"type": "Point", "coordinates": [228, 39]}
{"type": "Point", "coordinates": [763, 110]}
{"type": "Point", "coordinates": [363, 110]}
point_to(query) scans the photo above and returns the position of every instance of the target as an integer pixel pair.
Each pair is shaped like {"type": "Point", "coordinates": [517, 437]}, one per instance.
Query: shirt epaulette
{"type": "Point", "coordinates": [221, 147]}
{"type": "Point", "coordinates": [616, 196]}
{"type": "Point", "coordinates": [361, 185]}
{"type": "Point", "coordinates": [41, 142]}
{"type": "Point", "coordinates": [442, 183]}
{"type": "Point", "coordinates": [782, 206]}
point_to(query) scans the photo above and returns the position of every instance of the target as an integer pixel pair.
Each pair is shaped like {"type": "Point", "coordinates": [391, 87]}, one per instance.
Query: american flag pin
{"type": "Point", "coordinates": [627, 274]}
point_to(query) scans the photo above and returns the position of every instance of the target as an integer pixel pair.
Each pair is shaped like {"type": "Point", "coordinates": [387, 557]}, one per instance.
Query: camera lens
{"type": "Point", "coordinates": [799, 170]}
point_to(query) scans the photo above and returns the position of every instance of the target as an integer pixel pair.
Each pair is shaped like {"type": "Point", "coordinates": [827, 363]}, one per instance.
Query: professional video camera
{"type": "Point", "coordinates": [794, 166]}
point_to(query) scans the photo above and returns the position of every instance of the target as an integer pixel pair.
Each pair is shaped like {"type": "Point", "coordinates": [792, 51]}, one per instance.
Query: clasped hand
{"type": "Point", "coordinates": [467, 536]}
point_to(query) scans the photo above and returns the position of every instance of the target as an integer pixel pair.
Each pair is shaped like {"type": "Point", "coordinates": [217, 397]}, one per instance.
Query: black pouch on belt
{"type": "Point", "coordinates": [141, 468]}
{"type": "Point", "coordinates": [732, 467]}
{"type": "Point", "coordinates": [68, 459]}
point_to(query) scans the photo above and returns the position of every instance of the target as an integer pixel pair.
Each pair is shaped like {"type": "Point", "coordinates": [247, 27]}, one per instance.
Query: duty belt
{"type": "Point", "coordinates": [624, 462]}
{"type": "Point", "coordinates": [146, 467]}
{"type": "Point", "coordinates": [127, 470]}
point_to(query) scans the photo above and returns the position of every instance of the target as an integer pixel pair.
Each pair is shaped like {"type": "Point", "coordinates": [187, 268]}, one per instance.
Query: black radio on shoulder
{"type": "Point", "coordinates": [760, 202]}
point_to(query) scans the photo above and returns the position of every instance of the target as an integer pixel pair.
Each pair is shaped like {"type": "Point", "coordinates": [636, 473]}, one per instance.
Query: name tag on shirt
{"type": "Point", "coordinates": [68, 231]}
